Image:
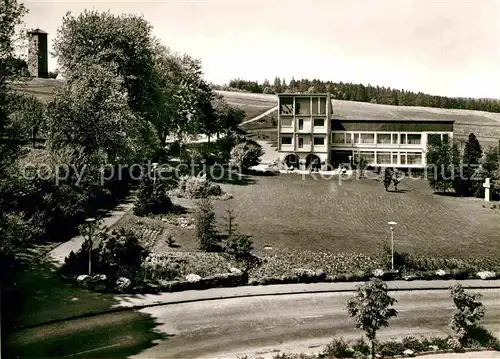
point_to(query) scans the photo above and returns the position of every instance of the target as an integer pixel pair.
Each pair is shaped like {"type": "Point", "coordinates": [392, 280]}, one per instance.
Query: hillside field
{"type": "Point", "coordinates": [486, 128]}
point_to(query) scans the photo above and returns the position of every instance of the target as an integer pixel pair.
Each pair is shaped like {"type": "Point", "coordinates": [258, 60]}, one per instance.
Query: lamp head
{"type": "Point", "coordinates": [90, 220]}
{"type": "Point", "coordinates": [391, 223]}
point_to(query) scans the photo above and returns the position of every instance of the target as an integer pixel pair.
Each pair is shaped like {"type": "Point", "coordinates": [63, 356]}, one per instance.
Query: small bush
{"type": "Point", "coordinates": [390, 348]}
{"type": "Point", "coordinates": [246, 154]}
{"type": "Point", "coordinates": [152, 198]}
{"type": "Point", "coordinates": [480, 337]}
{"type": "Point", "coordinates": [337, 348]}
{"type": "Point", "coordinates": [361, 346]}
{"type": "Point", "coordinates": [484, 275]}
{"type": "Point", "coordinates": [119, 254]}
{"type": "Point", "coordinates": [441, 343]}
{"type": "Point", "coordinates": [239, 246]}
{"type": "Point", "coordinates": [459, 274]}
{"type": "Point", "coordinates": [122, 284]}
{"type": "Point", "coordinates": [468, 311]}
{"type": "Point", "coordinates": [454, 343]}
{"type": "Point", "coordinates": [197, 187]}
{"type": "Point", "coordinates": [205, 226]}
{"type": "Point", "coordinates": [413, 343]}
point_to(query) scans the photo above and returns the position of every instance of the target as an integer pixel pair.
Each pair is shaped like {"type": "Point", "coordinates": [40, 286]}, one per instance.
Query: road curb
{"type": "Point", "coordinates": [236, 296]}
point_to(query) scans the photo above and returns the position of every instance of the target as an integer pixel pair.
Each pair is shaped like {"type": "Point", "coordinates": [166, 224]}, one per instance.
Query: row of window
{"type": "Point", "coordinates": [392, 158]}
{"type": "Point", "coordinates": [383, 138]}
{"type": "Point", "coordinates": [317, 141]}
{"type": "Point", "coordinates": [317, 122]}
{"type": "Point", "coordinates": [303, 105]}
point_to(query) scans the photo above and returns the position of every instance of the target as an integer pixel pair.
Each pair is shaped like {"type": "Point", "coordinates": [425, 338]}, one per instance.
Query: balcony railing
{"type": "Point", "coordinates": [375, 145]}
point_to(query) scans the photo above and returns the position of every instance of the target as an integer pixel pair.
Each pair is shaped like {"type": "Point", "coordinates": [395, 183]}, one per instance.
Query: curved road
{"type": "Point", "coordinates": [230, 328]}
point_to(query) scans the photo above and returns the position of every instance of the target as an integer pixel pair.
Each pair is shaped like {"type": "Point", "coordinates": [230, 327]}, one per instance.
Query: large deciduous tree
{"type": "Point", "coordinates": [28, 118]}
{"type": "Point", "coordinates": [91, 111]}
{"type": "Point", "coordinates": [120, 43]}
{"type": "Point", "coordinates": [11, 14]}
{"type": "Point", "coordinates": [185, 98]}
{"type": "Point", "coordinates": [227, 117]}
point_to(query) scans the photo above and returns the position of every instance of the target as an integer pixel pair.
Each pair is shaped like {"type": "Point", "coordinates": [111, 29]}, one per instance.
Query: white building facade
{"type": "Point", "coordinates": [314, 131]}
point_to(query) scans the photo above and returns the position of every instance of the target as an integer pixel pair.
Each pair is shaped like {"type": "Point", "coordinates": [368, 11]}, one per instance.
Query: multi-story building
{"type": "Point", "coordinates": [314, 129]}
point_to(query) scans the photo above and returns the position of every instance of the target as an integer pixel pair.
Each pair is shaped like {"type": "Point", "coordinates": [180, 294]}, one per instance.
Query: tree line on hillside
{"type": "Point", "coordinates": [362, 93]}
{"type": "Point", "coordinates": [125, 93]}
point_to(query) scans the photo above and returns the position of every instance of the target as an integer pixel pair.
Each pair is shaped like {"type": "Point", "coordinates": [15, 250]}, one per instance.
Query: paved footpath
{"type": "Point", "coordinates": [145, 300]}
{"type": "Point", "coordinates": [64, 249]}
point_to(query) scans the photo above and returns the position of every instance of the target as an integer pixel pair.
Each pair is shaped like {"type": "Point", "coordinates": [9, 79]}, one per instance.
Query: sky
{"type": "Point", "coordinates": [442, 47]}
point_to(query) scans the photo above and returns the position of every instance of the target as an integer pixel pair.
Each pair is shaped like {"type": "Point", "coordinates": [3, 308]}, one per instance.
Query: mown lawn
{"type": "Point", "coordinates": [299, 213]}
{"type": "Point", "coordinates": [291, 212]}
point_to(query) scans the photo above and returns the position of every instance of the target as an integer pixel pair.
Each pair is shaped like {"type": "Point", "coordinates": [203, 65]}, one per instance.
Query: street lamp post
{"type": "Point", "coordinates": [155, 165]}
{"type": "Point", "coordinates": [90, 222]}
{"type": "Point", "coordinates": [392, 224]}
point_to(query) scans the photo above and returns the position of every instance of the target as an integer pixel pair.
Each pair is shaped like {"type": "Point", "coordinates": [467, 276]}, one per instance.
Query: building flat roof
{"type": "Point", "coordinates": [315, 94]}
{"type": "Point", "coordinates": [38, 31]}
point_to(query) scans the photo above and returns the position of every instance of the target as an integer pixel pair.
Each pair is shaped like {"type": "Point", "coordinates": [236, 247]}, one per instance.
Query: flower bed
{"type": "Point", "coordinates": [410, 346]}
{"type": "Point", "coordinates": [283, 267]}
{"type": "Point", "coordinates": [177, 265]}
{"type": "Point", "coordinates": [285, 264]}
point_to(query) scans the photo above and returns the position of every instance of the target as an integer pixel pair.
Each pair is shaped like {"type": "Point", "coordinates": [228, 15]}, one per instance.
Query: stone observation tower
{"type": "Point", "coordinates": [38, 53]}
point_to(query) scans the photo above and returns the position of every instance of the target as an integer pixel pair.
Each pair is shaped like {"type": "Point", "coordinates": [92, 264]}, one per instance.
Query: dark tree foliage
{"type": "Point", "coordinates": [206, 232]}
{"type": "Point", "coordinates": [152, 198]}
{"type": "Point", "coordinates": [440, 165]}
{"type": "Point", "coordinates": [470, 182]}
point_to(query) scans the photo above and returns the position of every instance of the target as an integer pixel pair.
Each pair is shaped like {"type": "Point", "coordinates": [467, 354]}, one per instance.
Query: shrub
{"type": "Point", "coordinates": [391, 348]}
{"type": "Point", "coordinates": [198, 187]}
{"type": "Point", "coordinates": [480, 337]}
{"type": "Point", "coordinates": [159, 268]}
{"type": "Point", "coordinates": [459, 274]}
{"type": "Point", "coordinates": [176, 265]}
{"type": "Point", "coordinates": [413, 343]}
{"type": "Point", "coordinates": [119, 254]}
{"type": "Point", "coordinates": [206, 233]}
{"type": "Point", "coordinates": [401, 260]}
{"type": "Point", "coordinates": [467, 313]}
{"type": "Point", "coordinates": [361, 346]}
{"type": "Point", "coordinates": [239, 246]}
{"type": "Point", "coordinates": [486, 275]}
{"type": "Point", "coordinates": [152, 198]}
{"type": "Point", "coordinates": [222, 149]}
{"type": "Point", "coordinates": [78, 263]}
{"type": "Point", "coordinates": [122, 284]}
{"type": "Point", "coordinates": [442, 274]}
{"type": "Point", "coordinates": [308, 275]}
{"type": "Point", "coordinates": [246, 154]}
{"type": "Point", "coordinates": [441, 343]}
{"type": "Point", "coordinates": [454, 343]}
{"type": "Point", "coordinates": [337, 348]}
